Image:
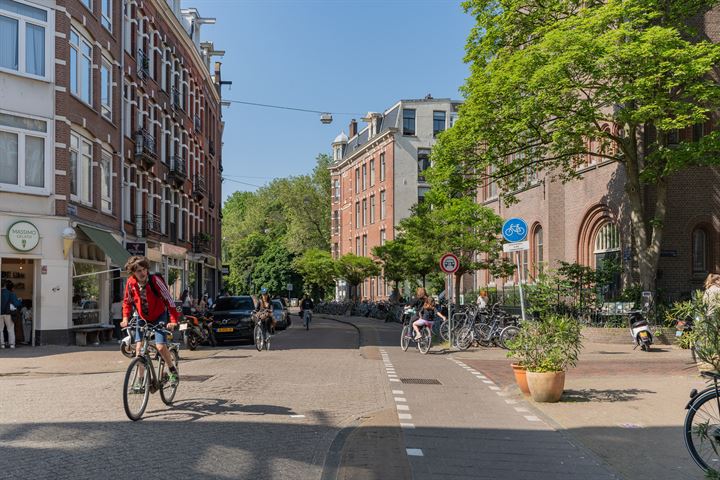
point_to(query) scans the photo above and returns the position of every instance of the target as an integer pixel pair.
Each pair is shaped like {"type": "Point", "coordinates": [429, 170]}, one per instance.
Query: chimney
{"type": "Point", "coordinates": [353, 128]}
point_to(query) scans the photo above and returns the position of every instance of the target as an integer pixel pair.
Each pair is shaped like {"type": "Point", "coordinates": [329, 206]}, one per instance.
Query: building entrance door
{"type": "Point", "coordinates": [21, 273]}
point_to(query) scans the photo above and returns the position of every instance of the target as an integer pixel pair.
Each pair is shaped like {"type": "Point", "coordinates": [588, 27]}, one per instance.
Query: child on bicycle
{"type": "Point", "coordinates": [427, 316]}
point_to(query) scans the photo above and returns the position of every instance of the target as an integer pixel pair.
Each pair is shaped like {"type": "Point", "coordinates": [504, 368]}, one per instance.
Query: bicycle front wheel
{"type": "Point", "coordinates": [259, 338]}
{"type": "Point", "coordinates": [507, 334]}
{"type": "Point", "coordinates": [702, 431]}
{"type": "Point", "coordinates": [425, 341]}
{"type": "Point", "coordinates": [136, 388]}
{"type": "Point", "coordinates": [464, 338]}
{"type": "Point", "coordinates": [405, 337]}
{"type": "Point", "coordinates": [445, 330]}
{"type": "Point", "coordinates": [167, 391]}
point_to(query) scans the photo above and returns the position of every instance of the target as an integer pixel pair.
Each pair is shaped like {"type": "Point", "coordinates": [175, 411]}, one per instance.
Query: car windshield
{"type": "Point", "coordinates": [234, 303]}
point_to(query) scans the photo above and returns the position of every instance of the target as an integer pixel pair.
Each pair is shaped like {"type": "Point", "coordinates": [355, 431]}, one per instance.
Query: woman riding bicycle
{"type": "Point", "coordinates": [265, 311]}
{"type": "Point", "coordinates": [427, 316]}
{"type": "Point", "coordinates": [150, 297]}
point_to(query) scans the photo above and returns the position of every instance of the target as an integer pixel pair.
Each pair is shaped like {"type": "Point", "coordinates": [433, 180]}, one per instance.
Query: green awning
{"type": "Point", "coordinates": [107, 243]}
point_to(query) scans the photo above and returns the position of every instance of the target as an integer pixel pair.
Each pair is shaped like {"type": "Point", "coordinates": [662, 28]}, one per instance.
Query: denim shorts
{"type": "Point", "coordinates": [159, 335]}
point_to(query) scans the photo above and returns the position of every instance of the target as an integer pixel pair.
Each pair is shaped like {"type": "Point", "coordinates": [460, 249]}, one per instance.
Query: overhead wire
{"type": "Point", "coordinates": [281, 107]}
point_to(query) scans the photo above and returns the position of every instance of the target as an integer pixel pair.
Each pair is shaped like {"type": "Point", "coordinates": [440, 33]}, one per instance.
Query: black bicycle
{"type": "Point", "coordinates": [261, 335]}
{"type": "Point", "coordinates": [406, 336]}
{"type": "Point", "coordinates": [702, 426]}
{"type": "Point", "coordinates": [141, 378]}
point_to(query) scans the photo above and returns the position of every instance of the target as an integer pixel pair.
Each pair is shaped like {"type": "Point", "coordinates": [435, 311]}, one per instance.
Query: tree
{"type": "Point", "coordinates": [318, 270]}
{"type": "Point", "coordinates": [273, 270]}
{"type": "Point", "coordinates": [394, 257]}
{"type": "Point", "coordinates": [462, 227]}
{"type": "Point", "coordinates": [354, 270]}
{"type": "Point", "coordinates": [548, 79]}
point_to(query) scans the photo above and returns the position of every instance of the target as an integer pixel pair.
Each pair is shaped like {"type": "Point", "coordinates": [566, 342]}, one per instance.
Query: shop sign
{"type": "Point", "coordinates": [136, 248]}
{"type": "Point", "coordinates": [23, 236]}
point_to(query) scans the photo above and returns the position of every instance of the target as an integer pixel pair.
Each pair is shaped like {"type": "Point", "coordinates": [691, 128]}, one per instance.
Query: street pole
{"type": "Point", "coordinates": [449, 299]}
{"type": "Point", "coordinates": [522, 297]}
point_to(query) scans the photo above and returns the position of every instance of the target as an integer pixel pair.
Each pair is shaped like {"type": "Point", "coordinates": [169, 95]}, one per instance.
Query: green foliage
{"type": "Point", "coordinates": [550, 79]}
{"type": "Point", "coordinates": [550, 345]}
{"type": "Point", "coordinates": [354, 269]}
{"type": "Point", "coordinates": [318, 271]}
{"type": "Point", "coordinates": [273, 270]}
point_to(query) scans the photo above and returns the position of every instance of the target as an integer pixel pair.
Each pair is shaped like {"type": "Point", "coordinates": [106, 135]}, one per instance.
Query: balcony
{"type": "Point", "coordinates": [143, 65]}
{"type": "Point", "coordinates": [199, 190]}
{"type": "Point", "coordinates": [145, 148]}
{"type": "Point", "coordinates": [147, 225]}
{"type": "Point", "coordinates": [196, 123]}
{"type": "Point", "coordinates": [178, 171]}
{"type": "Point", "coordinates": [201, 243]}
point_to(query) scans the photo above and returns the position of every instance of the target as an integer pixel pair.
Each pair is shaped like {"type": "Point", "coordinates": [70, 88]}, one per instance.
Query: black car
{"type": "Point", "coordinates": [232, 318]}
{"type": "Point", "coordinates": [280, 314]}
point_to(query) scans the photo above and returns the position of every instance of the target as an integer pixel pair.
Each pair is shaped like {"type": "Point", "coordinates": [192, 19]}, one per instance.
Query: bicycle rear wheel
{"type": "Point", "coordinates": [405, 337]}
{"type": "Point", "coordinates": [425, 341]}
{"type": "Point", "coordinates": [483, 333]}
{"type": "Point", "coordinates": [445, 330]}
{"type": "Point", "coordinates": [259, 338]}
{"type": "Point", "coordinates": [167, 391]}
{"type": "Point", "coordinates": [464, 338]}
{"type": "Point", "coordinates": [702, 431]}
{"type": "Point", "coordinates": [136, 388]}
{"type": "Point", "coordinates": [508, 333]}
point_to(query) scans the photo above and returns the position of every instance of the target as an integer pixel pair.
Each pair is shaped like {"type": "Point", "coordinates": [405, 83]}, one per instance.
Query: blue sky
{"type": "Point", "coordinates": [350, 56]}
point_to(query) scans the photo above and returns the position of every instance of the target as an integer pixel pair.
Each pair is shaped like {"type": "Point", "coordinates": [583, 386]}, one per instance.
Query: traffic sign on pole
{"type": "Point", "coordinates": [514, 230]}
{"type": "Point", "coordinates": [449, 263]}
{"type": "Point", "coordinates": [516, 247]}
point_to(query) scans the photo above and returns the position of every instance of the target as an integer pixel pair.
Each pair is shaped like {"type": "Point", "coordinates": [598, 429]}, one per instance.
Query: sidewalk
{"type": "Point", "coordinates": [625, 405]}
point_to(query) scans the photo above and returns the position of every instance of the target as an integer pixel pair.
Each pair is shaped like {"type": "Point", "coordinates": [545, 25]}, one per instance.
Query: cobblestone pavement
{"type": "Point", "coordinates": [238, 413]}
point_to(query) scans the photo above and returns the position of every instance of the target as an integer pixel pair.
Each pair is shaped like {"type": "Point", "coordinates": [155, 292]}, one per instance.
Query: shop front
{"type": "Point", "coordinates": [174, 268]}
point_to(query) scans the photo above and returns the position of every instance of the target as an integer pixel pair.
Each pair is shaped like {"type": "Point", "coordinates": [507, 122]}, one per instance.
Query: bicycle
{"type": "Point", "coordinates": [141, 378]}
{"type": "Point", "coordinates": [261, 334]}
{"type": "Point", "coordinates": [702, 426]}
{"type": "Point", "coordinates": [406, 336]}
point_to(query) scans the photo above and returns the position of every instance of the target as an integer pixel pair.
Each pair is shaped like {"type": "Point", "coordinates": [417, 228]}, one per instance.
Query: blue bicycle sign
{"type": "Point", "coordinates": [514, 230]}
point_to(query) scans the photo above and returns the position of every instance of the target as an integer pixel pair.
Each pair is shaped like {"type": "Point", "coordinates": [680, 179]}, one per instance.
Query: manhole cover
{"type": "Point", "coordinates": [421, 381]}
{"type": "Point", "coordinates": [194, 378]}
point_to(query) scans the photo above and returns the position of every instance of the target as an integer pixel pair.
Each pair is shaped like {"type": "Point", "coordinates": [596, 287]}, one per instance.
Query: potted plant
{"type": "Point", "coordinates": [520, 350]}
{"type": "Point", "coordinates": [547, 349]}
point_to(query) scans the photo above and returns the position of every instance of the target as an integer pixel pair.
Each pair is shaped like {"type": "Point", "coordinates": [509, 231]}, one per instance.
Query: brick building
{"type": "Point", "coordinates": [109, 122]}
{"type": "Point", "coordinates": [377, 176]}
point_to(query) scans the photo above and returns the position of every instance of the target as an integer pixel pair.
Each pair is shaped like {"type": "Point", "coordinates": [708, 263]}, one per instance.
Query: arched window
{"type": "Point", "coordinates": [607, 239]}
{"type": "Point", "coordinates": [538, 256]}
{"type": "Point", "coordinates": [607, 257]}
{"type": "Point", "coordinates": [699, 251]}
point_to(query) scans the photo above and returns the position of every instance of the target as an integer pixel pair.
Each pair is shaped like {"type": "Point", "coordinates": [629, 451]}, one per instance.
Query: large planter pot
{"type": "Point", "coordinates": [546, 387]}
{"type": "Point", "coordinates": [521, 378]}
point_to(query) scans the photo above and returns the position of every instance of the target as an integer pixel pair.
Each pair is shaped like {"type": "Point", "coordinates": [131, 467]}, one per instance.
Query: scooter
{"type": "Point", "coordinates": [127, 345]}
{"type": "Point", "coordinates": [639, 326]}
{"type": "Point", "coordinates": [197, 329]}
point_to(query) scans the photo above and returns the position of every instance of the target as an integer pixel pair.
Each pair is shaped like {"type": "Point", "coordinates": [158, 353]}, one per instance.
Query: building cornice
{"type": "Point", "coordinates": [373, 143]}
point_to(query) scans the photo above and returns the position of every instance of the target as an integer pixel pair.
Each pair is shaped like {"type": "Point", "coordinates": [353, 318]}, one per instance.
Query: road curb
{"type": "Point", "coordinates": [360, 334]}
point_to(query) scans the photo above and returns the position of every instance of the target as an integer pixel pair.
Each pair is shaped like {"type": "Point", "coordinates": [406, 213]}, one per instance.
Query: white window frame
{"type": "Point", "coordinates": [107, 89]}
{"type": "Point", "coordinates": [23, 21]}
{"type": "Point", "coordinates": [22, 133]}
{"type": "Point", "coordinates": [106, 14]}
{"type": "Point", "coordinates": [106, 197]}
{"type": "Point", "coordinates": [87, 4]}
{"type": "Point", "coordinates": [382, 205]}
{"type": "Point", "coordinates": [79, 174]}
{"type": "Point", "coordinates": [78, 74]}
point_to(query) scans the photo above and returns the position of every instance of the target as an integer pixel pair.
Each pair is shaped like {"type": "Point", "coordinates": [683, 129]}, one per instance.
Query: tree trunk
{"type": "Point", "coordinates": [424, 280]}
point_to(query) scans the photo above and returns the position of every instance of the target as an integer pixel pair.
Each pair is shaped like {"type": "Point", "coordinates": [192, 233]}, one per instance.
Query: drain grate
{"type": "Point", "coordinates": [195, 378]}
{"type": "Point", "coordinates": [421, 381]}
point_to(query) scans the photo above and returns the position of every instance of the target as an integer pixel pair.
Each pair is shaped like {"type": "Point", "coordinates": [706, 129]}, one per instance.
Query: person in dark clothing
{"type": "Point", "coordinates": [427, 316]}
{"type": "Point", "coordinates": [9, 303]}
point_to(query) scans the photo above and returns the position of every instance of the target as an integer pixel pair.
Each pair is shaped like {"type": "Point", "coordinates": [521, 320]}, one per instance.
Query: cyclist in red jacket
{"type": "Point", "coordinates": [150, 297]}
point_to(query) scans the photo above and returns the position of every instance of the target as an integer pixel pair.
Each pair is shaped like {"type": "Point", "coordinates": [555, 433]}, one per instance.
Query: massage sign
{"type": "Point", "coordinates": [23, 236]}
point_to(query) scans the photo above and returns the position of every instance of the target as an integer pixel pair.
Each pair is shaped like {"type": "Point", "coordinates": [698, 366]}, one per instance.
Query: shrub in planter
{"type": "Point", "coordinates": [547, 349]}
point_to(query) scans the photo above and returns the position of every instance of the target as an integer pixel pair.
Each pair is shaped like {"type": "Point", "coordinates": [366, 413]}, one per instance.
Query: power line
{"type": "Point", "coordinates": [244, 183]}
{"type": "Point", "coordinates": [265, 105]}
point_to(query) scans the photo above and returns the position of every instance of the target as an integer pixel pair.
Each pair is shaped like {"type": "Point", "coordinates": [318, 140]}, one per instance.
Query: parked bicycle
{"type": "Point", "coordinates": [702, 426]}
{"type": "Point", "coordinates": [142, 379]}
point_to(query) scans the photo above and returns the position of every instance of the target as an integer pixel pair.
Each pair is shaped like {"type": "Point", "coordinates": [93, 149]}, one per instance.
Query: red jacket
{"type": "Point", "coordinates": [157, 304]}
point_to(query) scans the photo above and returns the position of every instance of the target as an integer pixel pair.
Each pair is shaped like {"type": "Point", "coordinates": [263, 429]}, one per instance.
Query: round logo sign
{"type": "Point", "coordinates": [514, 230]}
{"type": "Point", "coordinates": [23, 236]}
{"type": "Point", "coordinates": [449, 263]}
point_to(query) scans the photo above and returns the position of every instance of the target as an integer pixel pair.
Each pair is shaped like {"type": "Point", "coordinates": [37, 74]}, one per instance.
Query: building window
{"type": "Point", "coordinates": [106, 190]}
{"type": "Point", "coordinates": [538, 251]}
{"type": "Point", "coordinates": [364, 245]}
{"type": "Point", "coordinates": [372, 172]}
{"type": "Point", "coordinates": [382, 237]}
{"type": "Point", "coordinates": [22, 152]}
{"type": "Point", "coordinates": [372, 208]}
{"type": "Point", "coordinates": [382, 167]}
{"type": "Point", "coordinates": [698, 131]}
{"type": "Point", "coordinates": [492, 191]}
{"type": "Point", "coordinates": [364, 176]}
{"type": "Point", "coordinates": [22, 25]}
{"type": "Point", "coordinates": [106, 89]}
{"type": "Point", "coordinates": [453, 118]}
{"type": "Point", "coordinates": [336, 221]}
{"type": "Point", "coordinates": [87, 3]}
{"type": "Point", "coordinates": [357, 214]}
{"type": "Point", "coordinates": [357, 180]}
{"type": "Point", "coordinates": [438, 122]}
{"type": "Point", "coordinates": [423, 163]}
{"type": "Point", "coordinates": [673, 137]}
{"type": "Point", "coordinates": [357, 246]}
{"type": "Point", "coordinates": [336, 190]}
{"type": "Point", "coordinates": [80, 67]}
{"type": "Point", "coordinates": [607, 256]}
{"type": "Point", "coordinates": [408, 121]}
{"type": "Point", "coordinates": [382, 205]}
{"type": "Point", "coordinates": [422, 191]}
{"type": "Point", "coordinates": [364, 211]}
{"type": "Point", "coordinates": [699, 251]}
{"type": "Point", "coordinates": [80, 169]}
{"type": "Point", "coordinates": [107, 14]}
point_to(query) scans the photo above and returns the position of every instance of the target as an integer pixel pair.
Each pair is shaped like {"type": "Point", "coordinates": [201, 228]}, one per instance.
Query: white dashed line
{"type": "Point", "coordinates": [398, 392]}
{"type": "Point", "coordinates": [532, 418]}
{"type": "Point", "coordinates": [297, 416]}
{"type": "Point", "coordinates": [402, 407]}
{"type": "Point", "coordinates": [488, 381]}
{"type": "Point", "coordinates": [394, 380]}
{"type": "Point", "coordinates": [407, 425]}
{"type": "Point", "coordinates": [401, 399]}
{"type": "Point", "coordinates": [414, 452]}
{"type": "Point", "coordinates": [404, 416]}
{"type": "Point", "coordinates": [493, 388]}
{"type": "Point", "coordinates": [522, 410]}
{"type": "Point", "coordinates": [511, 402]}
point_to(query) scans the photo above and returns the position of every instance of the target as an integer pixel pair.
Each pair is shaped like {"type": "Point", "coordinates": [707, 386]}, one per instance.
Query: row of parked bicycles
{"type": "Point", "coordinates": [383, 310]}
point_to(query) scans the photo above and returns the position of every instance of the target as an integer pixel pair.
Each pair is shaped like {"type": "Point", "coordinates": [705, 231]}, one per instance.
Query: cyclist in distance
{"type": "Point", "coordinates": [150, 296]}
{"type": "Point", "coordinates": [265, 310]}
{"type": "Point", "coordinates": [427, 316]}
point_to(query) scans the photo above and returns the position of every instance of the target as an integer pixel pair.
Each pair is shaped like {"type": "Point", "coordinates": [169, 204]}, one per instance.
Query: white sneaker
{"type": "Point", "coordinates": [12, 346]}
{"type": "Point", "coordinates": [2, 345]}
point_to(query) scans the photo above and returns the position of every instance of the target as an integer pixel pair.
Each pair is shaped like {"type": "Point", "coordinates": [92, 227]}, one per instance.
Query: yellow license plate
{"type": "Point", "coordinates": [643, 334]}
{"type": "Point", "coordinates": [225, 329]}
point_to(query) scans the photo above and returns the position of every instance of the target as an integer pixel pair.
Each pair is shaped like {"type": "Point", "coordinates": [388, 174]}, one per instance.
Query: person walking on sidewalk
{"type": "Point", "coordinates": [711, 297]}
{"type": "Point", "coordinates": [149, 295]}
{"type": "Point", "coordinates": [9, 303]}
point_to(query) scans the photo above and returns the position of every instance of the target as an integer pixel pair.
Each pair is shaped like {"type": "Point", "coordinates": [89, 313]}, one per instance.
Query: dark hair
{"type": "Point", "coordinates": [137, 261]}
{"type": "Point", "coordinates": [9, 285]}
